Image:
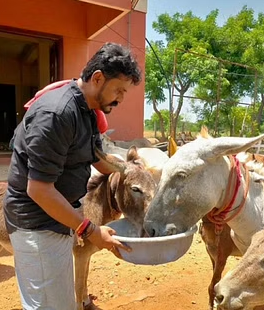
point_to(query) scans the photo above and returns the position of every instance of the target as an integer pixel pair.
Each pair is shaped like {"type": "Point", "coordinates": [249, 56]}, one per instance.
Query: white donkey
{"type": "Point", "coordinates": [203, 177]}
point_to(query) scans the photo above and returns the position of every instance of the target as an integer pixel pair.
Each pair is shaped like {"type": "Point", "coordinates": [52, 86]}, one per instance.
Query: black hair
{"type": "Point", "coordinates": [113, 59]}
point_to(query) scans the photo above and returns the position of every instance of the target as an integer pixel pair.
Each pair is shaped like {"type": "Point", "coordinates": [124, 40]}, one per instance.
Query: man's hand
{"type": "Point", "coordinates": [102, 238]}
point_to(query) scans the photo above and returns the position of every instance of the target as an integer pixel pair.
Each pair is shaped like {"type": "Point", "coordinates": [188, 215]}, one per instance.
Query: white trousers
{"type": "Point", "coordinates": [44, 269]}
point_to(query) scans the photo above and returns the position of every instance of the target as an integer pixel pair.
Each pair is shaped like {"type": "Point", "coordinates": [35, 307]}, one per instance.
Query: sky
{"type": "Point", "coordinates": [200, 8]}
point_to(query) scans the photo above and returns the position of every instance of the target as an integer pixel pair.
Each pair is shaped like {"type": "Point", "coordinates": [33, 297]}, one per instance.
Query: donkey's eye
{"type": "Point", "coordinates": [181, 175]}
{"type": "Point", "coordinates": [261, 262]}
{"type": "Point", "coordinates": [136, 189]}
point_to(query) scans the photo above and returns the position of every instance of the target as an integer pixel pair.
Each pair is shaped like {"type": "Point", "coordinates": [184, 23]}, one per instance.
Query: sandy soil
{"type": "Point", "coordinates": [115, 284]}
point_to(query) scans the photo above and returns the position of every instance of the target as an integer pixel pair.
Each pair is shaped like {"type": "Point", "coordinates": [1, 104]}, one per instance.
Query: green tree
{"type": "Point", "coordinates": [156, 81]}
{"type": "Point", "coordinates": [187, 32]}
{"type": "Point", "coordinates": [241, 41]}
{"type": "Point", "coordinates": [253, 56]}
{"type": "Point", "coordinates": [148, 124]}
{"type": "Point", "coordinates": [215, 76]}
{"type": "Point", "coordinates": [155, 118]}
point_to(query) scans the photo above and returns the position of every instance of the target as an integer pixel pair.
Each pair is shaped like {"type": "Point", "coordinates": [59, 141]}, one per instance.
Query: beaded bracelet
{"type": "Point", "coordinates": [88, 231]}
{"type": "Point", "coordinates": [84, 231]}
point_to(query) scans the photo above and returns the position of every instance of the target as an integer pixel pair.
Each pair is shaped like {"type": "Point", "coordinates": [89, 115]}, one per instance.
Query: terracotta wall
{"type": "Point", "coordinates": [68, 19]}
{"type": "Point", "coordinates": [59, 17]}
{"type": "Point", "coordinates": [125, 4]}
{"type": "Point", "coordinates": [128, 118]}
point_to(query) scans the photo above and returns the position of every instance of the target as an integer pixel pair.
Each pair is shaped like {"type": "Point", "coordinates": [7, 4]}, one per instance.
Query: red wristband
{"type": "Point", "coordinates": [81, 228]}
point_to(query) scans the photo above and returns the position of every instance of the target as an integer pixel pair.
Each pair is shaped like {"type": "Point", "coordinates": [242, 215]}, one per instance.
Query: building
{"type": "Point", "coordinates": [48, 40]}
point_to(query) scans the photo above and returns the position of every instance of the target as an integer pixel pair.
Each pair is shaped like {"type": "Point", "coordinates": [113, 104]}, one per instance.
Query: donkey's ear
{"type": "Point", "coordinates": [132, 153]}
{"type": "Point", "coordinates": [230, 145]}
{"type": "Point", "coordinates": [114, 180]}
{"type": "Point", "coordinates": [109, 132]}
{"type": "Point", "coordinates": [132, 156]}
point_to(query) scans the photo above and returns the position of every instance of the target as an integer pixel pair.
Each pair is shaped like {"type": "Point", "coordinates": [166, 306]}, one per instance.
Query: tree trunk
{"type": "Point", "coordinates": [161, 121]}
{"type": "Point", "coordinates": [260, 111]}
{"type": "Point", "coordinates": [177, 114]}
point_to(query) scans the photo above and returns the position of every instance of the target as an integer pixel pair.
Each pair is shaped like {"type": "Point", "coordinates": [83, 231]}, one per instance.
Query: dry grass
{"type": "Point", "coordinates": [151, 134]}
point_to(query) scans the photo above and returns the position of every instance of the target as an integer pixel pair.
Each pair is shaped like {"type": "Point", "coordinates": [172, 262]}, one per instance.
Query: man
{"type": "Point", "coordinates": [53, 148]}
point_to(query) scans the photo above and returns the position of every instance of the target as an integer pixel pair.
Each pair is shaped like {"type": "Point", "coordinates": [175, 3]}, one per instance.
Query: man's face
{"type": "Point", "coordinates": [112, 92]}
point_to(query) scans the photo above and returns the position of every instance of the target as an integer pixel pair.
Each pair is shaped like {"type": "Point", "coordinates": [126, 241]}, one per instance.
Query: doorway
{"type": "Point", "coordinates": [7, 112]}
{"type": "Point", "coordinates": [28, 63]}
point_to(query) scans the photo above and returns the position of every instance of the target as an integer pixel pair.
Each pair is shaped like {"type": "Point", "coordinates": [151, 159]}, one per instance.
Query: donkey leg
{"type": "Point", "coordinates": [87, 302]}
{"type": "Point", "coordinates": [80, 265]}
{"type": "Point", "coordinates": [80, 262]}
{"type": "Point", "coordinates": [218, 266]}
{"type": "Point", "coordinates": [211, 285]}
{"type": "Point", "coordinates": [217, 273]}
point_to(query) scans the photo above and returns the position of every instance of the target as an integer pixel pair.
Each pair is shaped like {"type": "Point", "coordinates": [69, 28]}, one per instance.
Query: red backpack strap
{"type": "Point", "coordinates": [101, 119]}
{"type": "Point", "coordinates": [44, 90]}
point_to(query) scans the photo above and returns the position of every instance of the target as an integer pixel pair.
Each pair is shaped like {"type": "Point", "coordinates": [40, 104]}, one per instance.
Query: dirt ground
{"type": "Point", "coordinates": [118, 285]}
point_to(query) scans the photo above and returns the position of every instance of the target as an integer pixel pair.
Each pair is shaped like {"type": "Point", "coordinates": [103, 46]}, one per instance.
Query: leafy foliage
{"type": "Point", "coordinates": [220, 65]}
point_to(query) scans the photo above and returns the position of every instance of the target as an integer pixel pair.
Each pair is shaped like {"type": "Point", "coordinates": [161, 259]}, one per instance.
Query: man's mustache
{"type": "Point", "coordinates": [113, 104]}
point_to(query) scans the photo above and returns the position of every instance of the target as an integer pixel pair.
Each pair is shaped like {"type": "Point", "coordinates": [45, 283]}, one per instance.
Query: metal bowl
{"type": "Point", "coordinates": [157, 250]}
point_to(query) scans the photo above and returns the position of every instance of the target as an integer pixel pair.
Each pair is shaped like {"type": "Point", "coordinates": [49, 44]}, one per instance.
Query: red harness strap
{"type": "Point", "coordinates": [101, 119]}
{"type": "Point", "coordinates": [219, 215]}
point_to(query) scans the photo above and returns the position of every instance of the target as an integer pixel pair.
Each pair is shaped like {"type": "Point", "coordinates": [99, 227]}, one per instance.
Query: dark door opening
{"type": "Point", "coordinates": [29, 61]}
{"type": "Point", "coordinates": [7, 112]}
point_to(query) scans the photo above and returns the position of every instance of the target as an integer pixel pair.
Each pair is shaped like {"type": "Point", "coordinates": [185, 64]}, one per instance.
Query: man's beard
{"type": "Point", "coordinates": [105, 107]}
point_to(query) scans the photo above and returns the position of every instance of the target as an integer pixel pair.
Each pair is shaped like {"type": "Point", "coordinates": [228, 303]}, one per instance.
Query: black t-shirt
{"type": "Point", "coordinates": [54, 143]}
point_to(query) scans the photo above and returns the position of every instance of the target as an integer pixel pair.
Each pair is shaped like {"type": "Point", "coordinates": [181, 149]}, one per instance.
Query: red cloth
{"type": "Point", "coordinates": [101, 119]}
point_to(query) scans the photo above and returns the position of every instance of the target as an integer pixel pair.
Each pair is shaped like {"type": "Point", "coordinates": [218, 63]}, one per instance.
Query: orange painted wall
{"type": "Point", "coordinates": [128, 118]}
{"type": "Point", "coordinates": [126, 4]}
{"type": "Point", "coordinates": [96, 20]}
{"type": "Point", "coordinates": [69, 19]}
{"type": "Point", "coordinates": [59, 17]}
